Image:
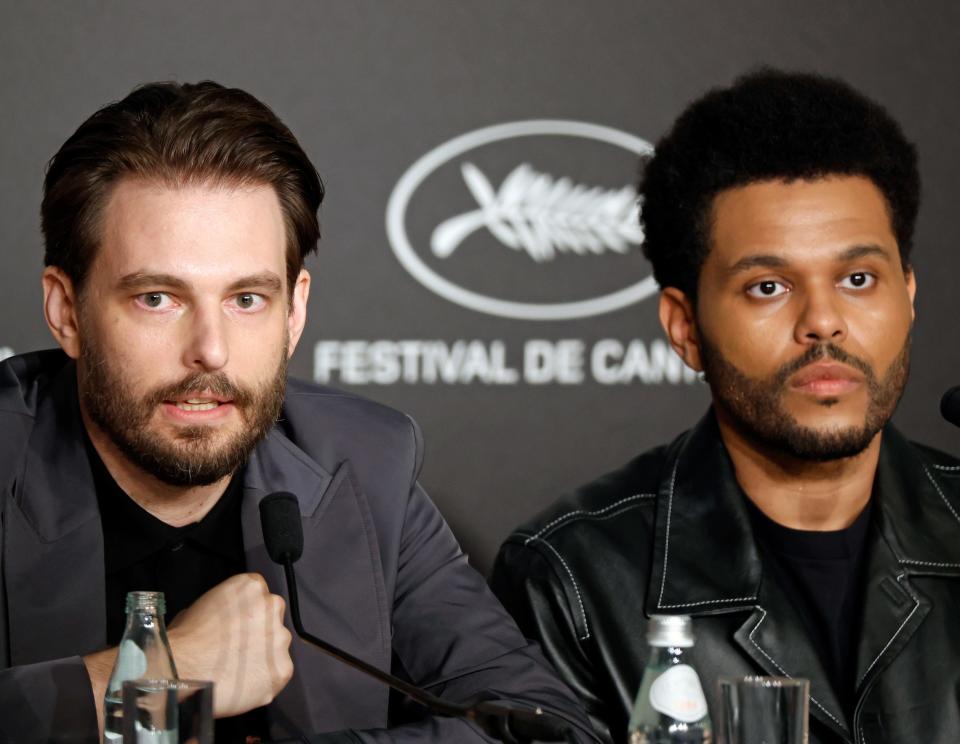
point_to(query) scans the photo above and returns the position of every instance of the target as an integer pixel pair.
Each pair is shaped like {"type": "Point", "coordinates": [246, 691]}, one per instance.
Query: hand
{"type": "Point", "coordinates": [234, 635]}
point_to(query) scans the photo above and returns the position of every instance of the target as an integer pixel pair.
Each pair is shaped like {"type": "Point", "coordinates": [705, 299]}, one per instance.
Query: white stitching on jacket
{"type": "Point", "coordinates": [576, 589]}
{"type": "Point", "coordinates": [666, 544]}
{"type": "Point", "coordinates": [931, 563]}
{"type": "Point", "coordinates": [937, 486]}
{"type": "Point", "coordinates": [784, 671]}
{"type": "Point", "coordinates": [666, 558]}
{"type": "Point", "coordinates": [587, 513]}
{"type": "Point", "coordinates": [894, 636]}
{"type": "Point", "coordinates": [706, 602]}
{"type": "Point", "coordinates": [946, 467]}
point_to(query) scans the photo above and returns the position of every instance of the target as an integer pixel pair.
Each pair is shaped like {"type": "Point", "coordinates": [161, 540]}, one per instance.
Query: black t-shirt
{"type": "Point", "coordinates": [142, 553]}
{"type": "Point", "coordinates": [821, 573]}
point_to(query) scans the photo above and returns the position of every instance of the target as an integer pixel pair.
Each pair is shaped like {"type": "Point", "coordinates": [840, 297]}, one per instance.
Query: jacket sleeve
{"type": "Point", "coordinates": [47, 702]}
{"type": "Point", "coordinates": [452, 637]}
{"type": "Point", "coordinates": [529, 584]}
{"type": "Point", "coordinates": [51, 701]}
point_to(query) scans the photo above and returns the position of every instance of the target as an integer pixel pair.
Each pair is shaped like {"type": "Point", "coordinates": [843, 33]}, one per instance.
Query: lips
{"type": "Point", "coordinates": [199, 402]}
{"type": "Point", "coordinates": [828, 378]}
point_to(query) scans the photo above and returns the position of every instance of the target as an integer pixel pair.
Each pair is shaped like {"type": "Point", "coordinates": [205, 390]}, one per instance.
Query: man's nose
{"type": "Point", "coordinates": [821, 317]}
{"type": "Point", "coordinates": [207, 348]}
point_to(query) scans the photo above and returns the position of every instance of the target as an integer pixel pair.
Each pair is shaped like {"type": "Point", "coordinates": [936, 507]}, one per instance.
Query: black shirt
{"type": "Point", "coordinates": [142, 553]}
{"type": "Point", "coordinates": [821, 573]}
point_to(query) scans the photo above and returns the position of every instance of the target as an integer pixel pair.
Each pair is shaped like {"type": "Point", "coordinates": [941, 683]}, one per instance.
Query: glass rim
{"type": "Point", "coordinates": [146, 601]}
{"type": "Point", "coordinates": [761, 680]}
{"type": "Point", "coordinates": [149, 685]}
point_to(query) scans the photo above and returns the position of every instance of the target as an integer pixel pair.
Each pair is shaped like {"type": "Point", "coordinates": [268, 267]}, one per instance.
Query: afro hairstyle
{"type": "Point", "coordinates": [769, 125]}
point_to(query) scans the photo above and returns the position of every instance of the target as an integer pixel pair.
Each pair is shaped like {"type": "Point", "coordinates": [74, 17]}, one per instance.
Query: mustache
{"type": "Point", "coordinates": [818, 352]}
{"type": "Point", "coordinates": [215, 382]}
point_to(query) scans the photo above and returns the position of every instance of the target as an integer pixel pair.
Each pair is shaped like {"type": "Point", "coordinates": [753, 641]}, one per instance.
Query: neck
{"type": "Point", "coordinates": [175, 505]}
{"type": "Point", "coordinates": [801, 494]}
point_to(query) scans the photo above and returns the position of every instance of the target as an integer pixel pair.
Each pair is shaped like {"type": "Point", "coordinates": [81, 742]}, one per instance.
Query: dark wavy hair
{"type": "Point", "coordinates": [176, 134]}
{"type": "Point", "coordinates": [769, 125]}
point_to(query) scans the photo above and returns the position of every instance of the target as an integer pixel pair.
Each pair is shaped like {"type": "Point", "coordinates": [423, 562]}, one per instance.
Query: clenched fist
{"type": "Point", "coordinates": [234, 635]}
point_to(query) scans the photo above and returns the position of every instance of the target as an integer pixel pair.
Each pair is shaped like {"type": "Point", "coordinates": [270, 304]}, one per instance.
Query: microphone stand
{"type": "Point", "coordinates": [508, 725]}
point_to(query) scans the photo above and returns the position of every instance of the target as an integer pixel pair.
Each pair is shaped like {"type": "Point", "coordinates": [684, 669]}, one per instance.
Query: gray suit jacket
{"type": "Point", "coordinates": [381, 574]}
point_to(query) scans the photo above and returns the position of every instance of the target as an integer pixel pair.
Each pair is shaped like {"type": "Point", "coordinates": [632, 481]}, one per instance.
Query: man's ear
{"type": "Point", "coordinates": [297, 318]}
{"type": "Point", "coordinates": [679, 321]}
{"type": "Point", "coordinates": [60, 309]}
{"type": "Point", "coordinates": [911, 279]}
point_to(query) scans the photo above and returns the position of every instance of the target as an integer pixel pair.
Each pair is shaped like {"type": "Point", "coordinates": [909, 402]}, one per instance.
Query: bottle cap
{"type": "Point", "coordinates": [146, 602]}
{"type": "Point", "coordinates": [670, 630]}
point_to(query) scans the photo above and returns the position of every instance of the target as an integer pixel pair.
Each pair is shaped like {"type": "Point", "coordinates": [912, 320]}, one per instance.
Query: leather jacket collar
{"type": "Point", "coordinates": [706, 562]}
{"type": "Point", "coordinates": [705, 517]}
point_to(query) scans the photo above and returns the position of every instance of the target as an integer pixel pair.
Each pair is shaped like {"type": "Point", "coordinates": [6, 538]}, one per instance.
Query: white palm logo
{"type": "Point", "coordinates": [544, 216]}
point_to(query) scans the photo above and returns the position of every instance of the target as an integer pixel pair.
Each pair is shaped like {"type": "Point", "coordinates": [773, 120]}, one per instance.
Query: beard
{"type": "Point", "coordinates": [195, 455]}
{"type": "Point", "coordinates": [757, 408]}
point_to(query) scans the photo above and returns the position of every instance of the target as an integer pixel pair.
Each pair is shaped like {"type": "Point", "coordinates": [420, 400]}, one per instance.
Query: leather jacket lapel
{"type": "Point", "coordinates": [892, 611]}
{"type": "Point", "coordinates": [915, 525]}
{"type": "Point", "coordinates": [775, 638]}
{"type": "Point", "coordinates": [53, 555]}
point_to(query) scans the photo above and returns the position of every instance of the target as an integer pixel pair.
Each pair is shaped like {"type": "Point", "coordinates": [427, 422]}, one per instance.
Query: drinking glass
{"type": "Point", "coordinates": [764, 710]}
{"type": "Point", "coordinates": [167, 711]}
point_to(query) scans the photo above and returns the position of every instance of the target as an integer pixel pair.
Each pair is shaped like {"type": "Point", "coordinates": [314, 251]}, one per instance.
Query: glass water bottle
{"type": "Point", "coordinates": [144, 653]}
{"type": "Point", "coordinates": [670, 707]}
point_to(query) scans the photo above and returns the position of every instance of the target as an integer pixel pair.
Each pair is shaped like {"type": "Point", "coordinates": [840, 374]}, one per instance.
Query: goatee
{"type": "Point", "coordinates": [196, 455]}
{"type": "Point", "coordinates": [756, 406]}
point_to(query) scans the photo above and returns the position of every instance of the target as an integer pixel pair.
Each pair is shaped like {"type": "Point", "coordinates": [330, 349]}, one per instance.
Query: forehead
{"type": "Point", "coordinates": [800, 219]}
{"type": "Point", "coordinates": [195, 230]}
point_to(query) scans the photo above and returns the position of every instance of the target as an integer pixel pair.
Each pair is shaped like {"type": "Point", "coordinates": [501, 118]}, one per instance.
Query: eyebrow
{"type": "Point", "coordinates": [265, 280]}
{"type": "Point", "coordinates": [769, 261]}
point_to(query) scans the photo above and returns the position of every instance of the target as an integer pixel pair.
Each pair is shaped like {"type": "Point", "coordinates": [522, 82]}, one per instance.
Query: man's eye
{"type": "Point", "coordinates": [154, 300]}
{"type": "Point", "coordinates": [858, 280]}
{"type": "Point", "coordinates": [768, 288]}
{"type": "Point", "coordinates": [249, 301]}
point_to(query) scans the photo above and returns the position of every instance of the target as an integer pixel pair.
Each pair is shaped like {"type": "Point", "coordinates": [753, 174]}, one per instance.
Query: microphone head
{"type": "Point", "coordinates": [950, 405]}
{"type": "Point", "coordinates": [282, 529]}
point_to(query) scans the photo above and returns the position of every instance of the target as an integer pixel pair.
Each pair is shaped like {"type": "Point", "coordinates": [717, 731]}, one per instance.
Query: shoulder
{"type": "Point", "coordinates": [921, 460]}
{"type": "Point", "coordinates": [598, 535]}
{"type": "Point", "coordinates": [600, 507]}
{"type": "Point", "coordinates": [941, 462]}
{"type": "Point", "coordinates": [334, 425]}
{"type": "Point", "coordinates": [24, 377]}
{"type": "Point", "coordinates": [610, 519]}
{"type": "Point", "coordinates": [24, 381]}
{"type": "Point", "coordinates": [308, 399]}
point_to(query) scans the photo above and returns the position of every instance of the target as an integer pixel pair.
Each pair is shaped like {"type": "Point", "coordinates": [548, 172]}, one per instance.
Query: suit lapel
{"type": "Point", "coordinates": [53, 562]}
{"type": "Point", "coordinates": [340, 583]}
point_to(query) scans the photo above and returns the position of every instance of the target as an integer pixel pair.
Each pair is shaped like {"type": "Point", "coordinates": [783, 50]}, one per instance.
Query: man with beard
{"type": "Point", "coordinates": [803, 534]}
{"type": "Point", "coordinates": [176, 224]}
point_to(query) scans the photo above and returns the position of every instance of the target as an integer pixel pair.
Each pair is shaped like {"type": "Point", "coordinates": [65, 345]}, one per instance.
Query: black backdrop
{"type": "Point", "coordinates": [400, 106]}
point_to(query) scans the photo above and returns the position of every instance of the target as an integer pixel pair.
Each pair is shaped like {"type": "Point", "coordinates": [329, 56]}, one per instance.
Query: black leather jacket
{"type": "Point", "coordinates": [669, 533]}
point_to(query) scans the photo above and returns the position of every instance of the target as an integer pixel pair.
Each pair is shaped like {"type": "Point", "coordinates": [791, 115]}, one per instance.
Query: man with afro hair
{"type": "Point", "coordinates": [804, 535]}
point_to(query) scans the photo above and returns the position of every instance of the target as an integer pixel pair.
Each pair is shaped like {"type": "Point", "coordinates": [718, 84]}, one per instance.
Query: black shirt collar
{"type": "Point", "coordinates": [131, 533]}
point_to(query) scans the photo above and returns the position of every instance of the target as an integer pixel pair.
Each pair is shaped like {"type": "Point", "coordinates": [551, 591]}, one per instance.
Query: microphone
{"type": "Point", "coordinates": [283, 537]}
{"type": "Point", "coordinates": [950, 405]}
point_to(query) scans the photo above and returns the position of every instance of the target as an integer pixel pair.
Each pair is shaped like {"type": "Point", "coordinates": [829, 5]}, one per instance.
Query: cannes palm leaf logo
{"type": "Point", "coordinates": [544, 216]}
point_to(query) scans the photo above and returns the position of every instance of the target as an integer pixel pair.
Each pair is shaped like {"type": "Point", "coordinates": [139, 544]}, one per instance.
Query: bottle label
{"type": "Point", "coordinates": [677, 693]}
